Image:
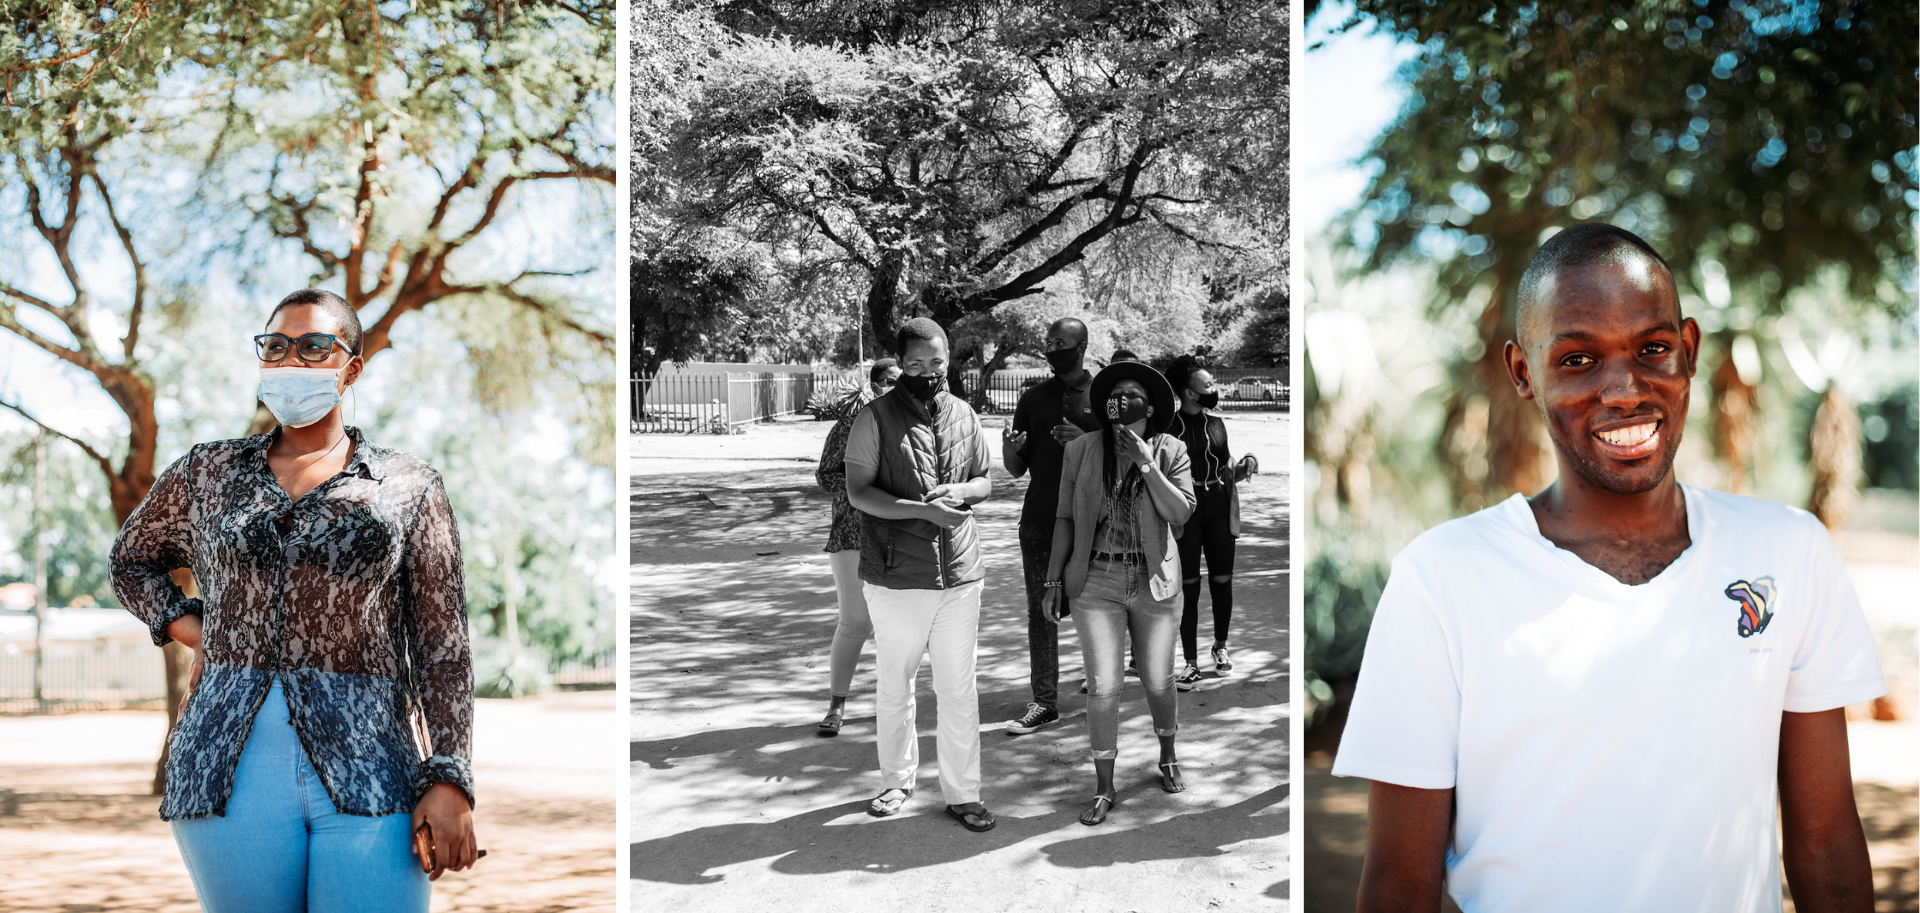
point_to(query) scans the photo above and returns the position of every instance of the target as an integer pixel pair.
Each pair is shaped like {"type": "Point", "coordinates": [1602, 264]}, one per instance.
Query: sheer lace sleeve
{"type": "Point", "coordinates": [437, 641]}
{"type": "Point", "coordinates": [157, 540]}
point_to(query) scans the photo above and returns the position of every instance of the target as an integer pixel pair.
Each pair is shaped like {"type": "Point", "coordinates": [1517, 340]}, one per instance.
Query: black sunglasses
{"type": "Point", "coordinates": [311, 347]}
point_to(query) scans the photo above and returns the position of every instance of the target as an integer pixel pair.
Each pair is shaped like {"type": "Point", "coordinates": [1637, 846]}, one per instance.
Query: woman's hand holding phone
{"type": "Point", "coordinates": [443, 831]}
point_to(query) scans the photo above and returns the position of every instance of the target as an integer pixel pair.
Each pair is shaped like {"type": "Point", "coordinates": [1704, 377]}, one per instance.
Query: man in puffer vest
{"type": "Point", "coordinates": [916, 463]}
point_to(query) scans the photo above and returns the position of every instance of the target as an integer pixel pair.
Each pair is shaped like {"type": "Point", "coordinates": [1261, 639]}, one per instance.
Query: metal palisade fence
{"type": "Point", "coordinates": [720, 403]}
{"type": "Point", "coordinates": [723, 402]}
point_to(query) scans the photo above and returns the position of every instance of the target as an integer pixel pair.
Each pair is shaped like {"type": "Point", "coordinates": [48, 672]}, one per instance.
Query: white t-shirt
{"type": "Point", "coordinates": [1610, 747]}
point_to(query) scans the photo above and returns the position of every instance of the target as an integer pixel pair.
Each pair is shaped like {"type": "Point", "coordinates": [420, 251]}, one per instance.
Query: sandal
{"type": "Point", "coordinates": [882, 807]}
{"type": "Point", "coordinates": [830, 726]}
{"type": "Point", "coordinates": [1102, 803]}
{"type": "Point", "coordinates": [1170, 779]}
{"type": "Point", "coordinates": [967, 817]}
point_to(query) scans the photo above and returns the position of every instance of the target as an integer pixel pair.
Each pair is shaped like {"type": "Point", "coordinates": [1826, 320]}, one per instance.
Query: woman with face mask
{"type": "Point", "coordinates": [1216, 517]}
{"type": "Point", "coordinates": [327, 728]}
{"type": "Point", "coordinates": [855, 626]}
{"type": "Point", "coordinates": [1124, 494]}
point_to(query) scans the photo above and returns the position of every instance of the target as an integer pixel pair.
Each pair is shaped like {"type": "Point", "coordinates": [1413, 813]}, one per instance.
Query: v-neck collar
{"type": "Point", "coordinates": [1521, 515]}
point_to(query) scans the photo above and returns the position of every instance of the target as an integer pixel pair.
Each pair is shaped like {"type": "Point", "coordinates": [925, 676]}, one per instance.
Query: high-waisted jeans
{"type": "Point", "coordinates": [283, 848]}
{"type": "Point", "coordinates": [1106, 619]}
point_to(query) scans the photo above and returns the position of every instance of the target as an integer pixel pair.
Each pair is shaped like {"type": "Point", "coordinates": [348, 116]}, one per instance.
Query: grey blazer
{"type": "Point", "coordinates": [1083, 491]}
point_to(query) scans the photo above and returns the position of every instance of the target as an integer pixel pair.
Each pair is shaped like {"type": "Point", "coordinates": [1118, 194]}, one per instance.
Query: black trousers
{"type": "Point", "coordinates": [1208, 532]}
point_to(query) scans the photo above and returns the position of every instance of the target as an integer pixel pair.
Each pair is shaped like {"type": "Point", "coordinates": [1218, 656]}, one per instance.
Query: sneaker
{"type": "Point", "coordinates": [1221, 662]}
{"type": "Point", "coordinates": [1188, 679]}
{"type": "Point", "coordinates": [1036, 718]}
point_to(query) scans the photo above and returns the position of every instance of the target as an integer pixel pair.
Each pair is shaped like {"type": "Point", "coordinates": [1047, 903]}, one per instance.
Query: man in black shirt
{"type": "Point", "coordinates": [1053, 412]}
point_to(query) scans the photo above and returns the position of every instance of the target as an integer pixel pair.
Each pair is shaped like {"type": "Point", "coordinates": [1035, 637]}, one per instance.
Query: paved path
{"type": "Point", "coordinates": [81, 834]}
{"type": "Point", "coordinates": [737, 802]}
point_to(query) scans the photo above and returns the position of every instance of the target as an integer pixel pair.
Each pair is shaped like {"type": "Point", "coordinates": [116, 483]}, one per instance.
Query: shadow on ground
{"type": "Point", "coordinates": [735, 798]}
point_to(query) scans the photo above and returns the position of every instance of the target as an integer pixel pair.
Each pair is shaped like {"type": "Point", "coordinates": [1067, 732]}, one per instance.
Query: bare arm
{"type": "Point", "coordinates": [1406, 861]}
{"type": "Point", "coordinates": [1823, 846]}
{"type": "Point", "coordinates": [1013, 440]}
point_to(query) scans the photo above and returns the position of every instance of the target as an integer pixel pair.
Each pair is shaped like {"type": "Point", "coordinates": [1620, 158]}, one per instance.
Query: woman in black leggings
{"type": "Point", "coordinates": [1216, 519]}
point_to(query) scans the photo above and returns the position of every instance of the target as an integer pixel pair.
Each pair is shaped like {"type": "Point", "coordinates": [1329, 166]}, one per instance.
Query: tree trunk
{"type": "Point", "coordinates": [1834, 443]}
{"type": "Point", "coordinates": [881, 295]}
{"type": "Point", "coordinates": [179, 662]}
{"type": "Point", "coordinates": [1736, 407]}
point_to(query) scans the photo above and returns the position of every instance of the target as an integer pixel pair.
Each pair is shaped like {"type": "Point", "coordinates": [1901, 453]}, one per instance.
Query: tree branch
{"type": "Point", "coordinates": [105, 465]}
{"type": "Point", "coordinates": [139, 269]}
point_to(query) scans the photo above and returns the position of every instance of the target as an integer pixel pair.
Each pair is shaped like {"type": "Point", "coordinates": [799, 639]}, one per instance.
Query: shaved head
{"type": "Point", "coordinates": [1070, 328]}
{"type": "Point", "coordinates": [1575, 248]}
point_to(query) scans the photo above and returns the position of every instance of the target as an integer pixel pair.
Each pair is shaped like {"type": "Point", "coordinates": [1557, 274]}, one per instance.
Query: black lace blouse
{"type": "Point", "coordinates": [352, 596]}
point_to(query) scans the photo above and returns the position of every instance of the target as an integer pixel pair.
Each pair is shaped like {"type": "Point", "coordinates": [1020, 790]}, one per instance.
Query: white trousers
{"type": "Point", "coordinates": [907, 626]}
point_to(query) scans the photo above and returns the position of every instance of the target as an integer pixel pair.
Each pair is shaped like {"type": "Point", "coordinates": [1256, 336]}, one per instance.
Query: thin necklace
{"type": "Point", "coordinates": [299, 464]}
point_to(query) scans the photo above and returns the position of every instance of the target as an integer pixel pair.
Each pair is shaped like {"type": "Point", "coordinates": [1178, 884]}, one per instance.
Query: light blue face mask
{"type": "Point", "coordinates": [298, 397]}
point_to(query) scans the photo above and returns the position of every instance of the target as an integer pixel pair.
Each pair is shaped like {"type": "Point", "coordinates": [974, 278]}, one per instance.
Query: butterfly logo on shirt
{"type": "Point", "coordinates": [1756, 603]}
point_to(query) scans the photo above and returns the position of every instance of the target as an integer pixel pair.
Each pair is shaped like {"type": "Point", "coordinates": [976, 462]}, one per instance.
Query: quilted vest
{"type": "Point", "coordinates": [919, 451]}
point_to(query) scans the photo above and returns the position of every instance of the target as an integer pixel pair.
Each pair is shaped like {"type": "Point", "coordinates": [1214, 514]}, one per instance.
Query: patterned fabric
{"type": "Point", "coordinates": [832, 476]}
{"type": "Point", "coordinates": [352, 596]}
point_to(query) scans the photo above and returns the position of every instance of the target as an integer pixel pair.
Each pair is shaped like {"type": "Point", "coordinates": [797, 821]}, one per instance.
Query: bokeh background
{"type": "Point", "coordinates": [1766, 149]}
{"type": "Point", "coordinates": [168, 173]}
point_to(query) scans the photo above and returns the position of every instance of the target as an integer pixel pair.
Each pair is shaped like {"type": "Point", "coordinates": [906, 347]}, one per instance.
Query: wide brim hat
{"type": "Point", "coordinates": [1159, 392]}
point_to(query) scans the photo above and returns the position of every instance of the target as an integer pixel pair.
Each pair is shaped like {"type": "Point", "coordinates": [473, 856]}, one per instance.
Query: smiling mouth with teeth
{"type": "Point", "coordinates": [1629, 436]}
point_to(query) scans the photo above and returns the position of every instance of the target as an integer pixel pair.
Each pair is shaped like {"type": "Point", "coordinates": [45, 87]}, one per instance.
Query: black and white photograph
{"type": "Point", "coordinates": [959, 453]}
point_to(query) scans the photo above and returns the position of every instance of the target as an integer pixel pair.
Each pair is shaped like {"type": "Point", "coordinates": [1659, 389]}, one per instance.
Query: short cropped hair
{"type": "Point", "coordinates": [919, 328]}
{"type": "Point", "coordinates": [881, 366]}
{"type": "Point", "coordinates": [343, 313]}
{"type": "Point", "coordinates": [1572, 248]}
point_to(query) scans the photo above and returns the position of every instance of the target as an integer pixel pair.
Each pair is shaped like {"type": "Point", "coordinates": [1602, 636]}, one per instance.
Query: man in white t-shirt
{"type": "Point", "coordinates": [1586, 700]}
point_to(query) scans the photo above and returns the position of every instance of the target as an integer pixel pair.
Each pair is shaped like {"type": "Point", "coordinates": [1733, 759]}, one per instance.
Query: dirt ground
{"type": "Point", "coordinates": [736, 801]}
{"type": "Point", "coordinates": [80, 834]}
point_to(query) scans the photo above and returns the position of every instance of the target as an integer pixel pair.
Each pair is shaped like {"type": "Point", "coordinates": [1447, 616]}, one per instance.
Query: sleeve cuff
{"type": "Point", "coordinates": [1816, 703]}
{"type": "Point", "coordinates": [157, 626]}
{"type": "Point", "coordinates": [443, 768]}
{"type": "Point", "coordinates": [1392, 773]}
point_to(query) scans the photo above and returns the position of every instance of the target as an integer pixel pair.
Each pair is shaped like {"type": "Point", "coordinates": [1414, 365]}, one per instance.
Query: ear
{"type": "Point", "coordinates": [1690, 343]}
{"type": "Point", "coordinates": [351, 373]}
{"type": "Point", "coordinates": [1517, 369]}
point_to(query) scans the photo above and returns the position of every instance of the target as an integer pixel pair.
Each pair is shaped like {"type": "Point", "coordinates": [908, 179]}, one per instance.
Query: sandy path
{"type": "Point", "coordinates": [736, 801]}
{"type": "Point", "coordinates": [82, 835]}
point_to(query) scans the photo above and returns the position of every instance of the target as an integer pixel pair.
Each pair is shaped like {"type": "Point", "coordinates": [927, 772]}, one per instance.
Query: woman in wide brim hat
{"type": "Point", "coordinates": [1124, 494]}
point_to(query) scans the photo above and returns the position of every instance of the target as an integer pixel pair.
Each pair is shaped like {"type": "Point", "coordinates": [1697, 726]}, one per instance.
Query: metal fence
{"type": "Point", "coordinates": [1241, 389]}
{"type": "Point", "coordinates": [85, 677]}
{"type": "Point", "coordinates": [590, 674]}
{"type": "Point", "coordinates": [720, 403]}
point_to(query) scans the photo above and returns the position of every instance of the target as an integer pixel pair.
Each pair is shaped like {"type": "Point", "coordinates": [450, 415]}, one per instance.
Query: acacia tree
{"type": "Point", "coordinates": [963, 156]}
{"type": "Point", "coordinates": [1759, 146]}
{"type": "Point", "coordinates": [383, 142]}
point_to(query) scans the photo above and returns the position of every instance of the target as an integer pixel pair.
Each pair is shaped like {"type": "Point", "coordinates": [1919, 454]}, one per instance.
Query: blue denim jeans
{"type": "Point", "coordinates": [283, 848]}
{"type": "Point", "coordinates": [1106, 620]}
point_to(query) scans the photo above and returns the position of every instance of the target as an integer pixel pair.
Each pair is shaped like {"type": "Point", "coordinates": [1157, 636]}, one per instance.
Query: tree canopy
{"type": "Point", "coordinates": [948, 159]}
{"type": "Point", "coordinates": [1762, 147]}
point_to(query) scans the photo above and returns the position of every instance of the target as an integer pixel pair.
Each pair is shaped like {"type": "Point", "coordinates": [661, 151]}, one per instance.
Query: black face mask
{"type": "Point", "coordinates": [1207, 400]}
{"type": "Point", "coordinates": [1065, 360]}
{"type": "Point", "coordinates": [923, 386]}
{"type": "Point", "coordinates": [1125, 410]}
